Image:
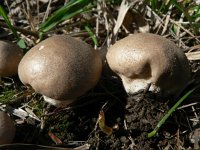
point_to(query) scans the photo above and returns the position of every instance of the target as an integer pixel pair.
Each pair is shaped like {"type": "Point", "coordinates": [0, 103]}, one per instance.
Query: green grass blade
{"type": "Point", "coordinates": [162, 121]}
{"type": "Point", "coordinates": [20, 42]}
{"type": "Point", "coordinates": [154, 4]}
{"type": "Point", "coordinates": [92, 35]}
{"type": "Point", "coordinates": [72, 8]}
{"type": "Point", "coordinates": [5, 16]}
{"type": "Point", "coordinates": [196, 10]}
{"type": "Point", "coordinates": [177, 5]}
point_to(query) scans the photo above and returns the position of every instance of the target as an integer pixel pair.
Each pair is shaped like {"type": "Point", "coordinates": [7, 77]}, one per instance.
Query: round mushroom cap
{"type": "Point", "coordinates": [10, 56]}
{"type": "Point", "coordinates": [61, 68]}
{"type": "Point", "coordinates": [144, 58]}
{"type": "Point", "coordinates": [7, 129]}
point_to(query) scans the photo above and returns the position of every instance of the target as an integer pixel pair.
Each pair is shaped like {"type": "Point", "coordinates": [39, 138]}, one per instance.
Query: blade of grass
{"type": "Point", "coordinates": [162, 121]}
{"type": "Point", "coordinates": [154, 4]}
{"type": "Point", "coordinates": [165, 6]}
{"type": "Point", "coordinates": [5, 16]}
{"type": "Point", "coordinates": [92, 35]}
{"type": "Point", "coordinates": [72, 9]}
{"type": "Point", "coordinates": [177, 5]}
{"type": "Point", "coordinates": [21, 42]}
{"type": "Point", "coordinates": [196, 9]}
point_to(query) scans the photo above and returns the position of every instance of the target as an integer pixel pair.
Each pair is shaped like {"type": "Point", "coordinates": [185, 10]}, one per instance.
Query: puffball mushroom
{"type": "Point", "coordinates": [7, 129]}
{"type": "Point", "coordinates": [10, 56]}
{"type": "Point", "coordinates": [61, 68]}
{"type": "Point", "coordinates": [142, 59]}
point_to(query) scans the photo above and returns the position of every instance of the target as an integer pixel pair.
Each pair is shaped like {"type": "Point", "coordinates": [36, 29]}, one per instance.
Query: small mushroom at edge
{"type": "Point", "coordinates": [10, 56]}
{"type": "Point", "coordinates": [7, 129]}
{"type": "Point", "coordinates": [61, 68]}
{"type": "Point", "coordinates": [145, 58]}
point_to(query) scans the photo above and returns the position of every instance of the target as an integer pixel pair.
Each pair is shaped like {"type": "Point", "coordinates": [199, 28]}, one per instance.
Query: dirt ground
{"type": "Point", "coordinates": [131, 118]}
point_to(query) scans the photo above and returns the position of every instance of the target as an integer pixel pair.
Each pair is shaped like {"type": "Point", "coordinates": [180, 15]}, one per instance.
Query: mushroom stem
{"type": "Point", "coordinates": [57, 103]}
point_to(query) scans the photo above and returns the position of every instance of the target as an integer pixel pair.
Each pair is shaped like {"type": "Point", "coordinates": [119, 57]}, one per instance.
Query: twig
{"type": "Point", "coordinates": [132, 145]}
{"type": "Point", "coordinates": [24, 31]}
{"type": "Point", "coordinates": [124, 7]}
{"type": "Point", "coordinates": [178, 139]}
{"type": "Point", "coordinates": [195, 113]}
{"type": "Point", "coordinates": [22, 146]}
{"type": "Point", "coordinates": [38, 11]}
{"type": "Point", "coordinates": [167, 20]}
{"type": "Point", "coordinates": [187, 31]}
{"type": "Point", "coordinates": [28, 15]}
{"type": "Point", "coordinates": [97, 21]}
{"type": "Point", "coordinates": [47, 11]}
{"type": "Point", "coordinates": [180, 21]}
{"type": "Point", "coordinates": [185, 106]}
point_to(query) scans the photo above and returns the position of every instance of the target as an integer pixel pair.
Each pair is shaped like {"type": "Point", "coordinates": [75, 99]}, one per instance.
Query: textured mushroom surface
{"type": "Point", "coordinates": [61, 67]}
{"type": "Point", "coordinates": [10, 56]}
{"type": "Point", "coordinates": [7, 129]}
{"type": "Point", "coordinates": [145, 58]}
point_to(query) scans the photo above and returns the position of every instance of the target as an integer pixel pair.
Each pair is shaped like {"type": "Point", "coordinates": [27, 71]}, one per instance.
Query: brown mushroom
{"type": "Point", "coordinates": [144, 58]}
{"type": "Point", "coordinates": [10, 56]}
{"type": "Point", "coordinates": [7, 129]}
{"type": "Point", "coordinates": [61, 68]}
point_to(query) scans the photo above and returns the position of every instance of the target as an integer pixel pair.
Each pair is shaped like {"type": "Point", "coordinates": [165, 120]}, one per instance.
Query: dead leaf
{"type": "Point", "coordinates": [102, 125]}
{"type": "Point", "coordinates": [54, 138]}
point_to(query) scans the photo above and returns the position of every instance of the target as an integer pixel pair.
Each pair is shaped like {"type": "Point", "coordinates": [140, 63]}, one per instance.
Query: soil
{"type": "Point", "coordinates": [131, 118]}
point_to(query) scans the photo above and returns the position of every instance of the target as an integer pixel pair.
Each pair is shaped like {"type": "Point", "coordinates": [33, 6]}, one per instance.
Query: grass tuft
{"type": "Point", "coordinates": [169, 113]}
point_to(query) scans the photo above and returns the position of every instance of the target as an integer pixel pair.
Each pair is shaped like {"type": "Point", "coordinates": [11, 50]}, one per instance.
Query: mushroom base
{"type": "Point", "coordinates": [137, 85]}
{"type": "Point", "coordinates": [57, 103]}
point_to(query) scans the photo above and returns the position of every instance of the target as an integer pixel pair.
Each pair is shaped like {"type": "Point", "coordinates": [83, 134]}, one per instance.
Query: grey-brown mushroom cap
{"type": "Point", "coordinates": [145, 58]}
{"type": "Point", "coordinates": [10, 56]}
{"type": "Point", "coordinates": [7, 129]}
{"type": "Point", "coordinates": [61, 67]}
